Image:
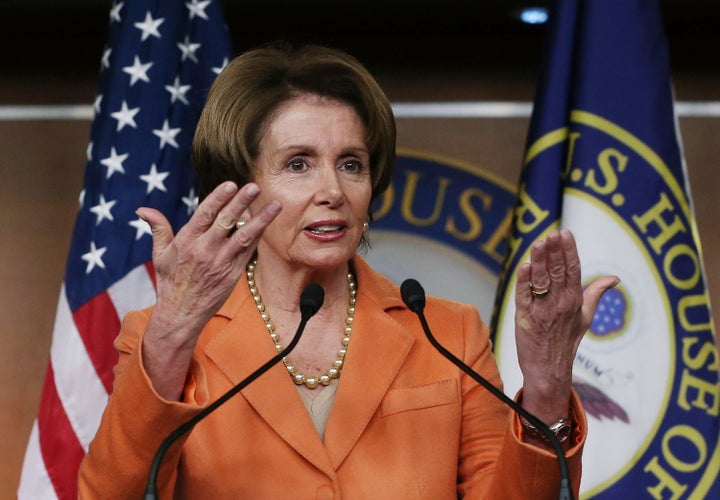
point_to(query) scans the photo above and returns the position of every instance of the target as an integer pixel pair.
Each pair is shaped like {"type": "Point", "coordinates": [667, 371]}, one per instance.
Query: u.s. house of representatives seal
{"type": "Point", "coordinates": [443, 222]}
{"type": "Point", "coordinates": [647, 371]}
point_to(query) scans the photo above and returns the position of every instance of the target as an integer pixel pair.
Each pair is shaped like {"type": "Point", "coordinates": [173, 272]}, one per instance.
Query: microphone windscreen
{"type": "Point", "coordinates": [311, 299]}
{"type": "Point", "coordinates": [413, 294]}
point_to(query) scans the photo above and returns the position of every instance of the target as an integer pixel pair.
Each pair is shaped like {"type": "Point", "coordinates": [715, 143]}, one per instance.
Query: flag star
{"type": "Point", "coordinates": [155, 179]}
{"type": "Point", "coordinates": [115, 12]}
{"type": "Point", "coordinates": [141, 228]}
{"type": "Point", "coordinates": [138, 71]}
{"type": "Point", "coordinates": [96, 104]}
{"type": "Point", "coordinates": [191, 201]}
{"type": "Point", "coordinates": [88, 151]}
{"type": "Point", "coordinates": [106, 58]}
{"type": "Point", "coordinates": [102, 210]}
{"type": "Point", "coordinates": [94, 257]}
{"type": "Point", "coordinates": [125, 116]}
{"type": "Point", "coordinates": [114, 162]}
{"type": "Point", "coordinates": [219, 69]}
{"type": "Point", "coordinates": [188, 49]}
{"type": "Point", "coordinates": [197, 8]}
{"type": "Point", "coordinates": [149, 26]}
{"type": "Point", "coordinates": [81, 198]}
{"type": "Point", "coordinates": [177, 91]}
{"type": "Point", "coordinates": [167, 135]}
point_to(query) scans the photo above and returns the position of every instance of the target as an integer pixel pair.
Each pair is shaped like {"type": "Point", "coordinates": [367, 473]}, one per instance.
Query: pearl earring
{"type": "Point", "coordinates": [366, 226]}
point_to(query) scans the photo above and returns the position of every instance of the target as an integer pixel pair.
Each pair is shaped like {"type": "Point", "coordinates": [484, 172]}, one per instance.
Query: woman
{"type": "Point", "coordinates": [292, 147]}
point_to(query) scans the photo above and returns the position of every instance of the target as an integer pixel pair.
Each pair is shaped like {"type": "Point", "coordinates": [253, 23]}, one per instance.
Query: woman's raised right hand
{"type": "Point", "coordinates": [196, 270]}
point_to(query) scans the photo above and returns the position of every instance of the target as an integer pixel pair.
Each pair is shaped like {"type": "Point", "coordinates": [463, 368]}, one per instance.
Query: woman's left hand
{"type": "Point", "coordinates": [552, 314]}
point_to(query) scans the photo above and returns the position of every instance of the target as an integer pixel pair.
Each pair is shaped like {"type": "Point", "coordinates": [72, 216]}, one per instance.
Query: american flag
{"type": "Point", "coordinates": [156, 68]}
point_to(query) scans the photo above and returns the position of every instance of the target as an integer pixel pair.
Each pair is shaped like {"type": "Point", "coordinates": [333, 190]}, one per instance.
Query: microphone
{"type": "Point", "coordinates": [311, 300]}
{"type": "Point", "coordinates": [413, 295]}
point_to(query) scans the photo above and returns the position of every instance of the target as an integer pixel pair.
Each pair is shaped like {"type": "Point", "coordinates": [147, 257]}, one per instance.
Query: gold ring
{"type": "Point", "coordinates": [240, 224]}
{"type": "Point", "coordinates": [537, 292]}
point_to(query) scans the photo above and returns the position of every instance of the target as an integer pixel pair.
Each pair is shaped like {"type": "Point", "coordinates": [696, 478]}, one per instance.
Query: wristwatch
{"type": "Point", "coordinates": [562, 429]}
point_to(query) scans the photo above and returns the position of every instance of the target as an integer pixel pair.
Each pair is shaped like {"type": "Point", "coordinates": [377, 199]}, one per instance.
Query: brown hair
{"type": "Point", "coordinates": [247, 93]}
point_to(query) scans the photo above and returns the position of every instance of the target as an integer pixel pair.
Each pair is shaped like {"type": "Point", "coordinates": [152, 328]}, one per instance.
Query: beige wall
{"type": "Point", "coordinates": [41, 169]}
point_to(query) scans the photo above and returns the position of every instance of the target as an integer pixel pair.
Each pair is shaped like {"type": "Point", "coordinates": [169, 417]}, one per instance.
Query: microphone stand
{"type": "Point", "coordinates": [310, 302]}
{"type": "Point", "coordinates": [414, 297]}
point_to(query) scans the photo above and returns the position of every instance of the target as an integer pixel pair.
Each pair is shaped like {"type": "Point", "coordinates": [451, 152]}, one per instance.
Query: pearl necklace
{"type": "Point", "coordinates": [300, 378]}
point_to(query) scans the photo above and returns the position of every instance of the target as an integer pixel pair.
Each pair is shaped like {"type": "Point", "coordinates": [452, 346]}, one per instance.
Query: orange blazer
{"type": "Point", "coordinates": [406, 423]}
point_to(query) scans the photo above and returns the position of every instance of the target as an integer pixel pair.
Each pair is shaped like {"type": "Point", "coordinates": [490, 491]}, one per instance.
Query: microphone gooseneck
{"type": "Point", "coordinates": [413, 295]}
{"type": "Point", "coordinates": [311, 300]}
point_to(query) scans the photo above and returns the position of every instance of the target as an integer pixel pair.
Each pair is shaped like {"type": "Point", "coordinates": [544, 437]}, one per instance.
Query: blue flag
{"type": "Point", "coordinates": [604, 159]}
{"type": "Point", "coordinates": [159, 62]}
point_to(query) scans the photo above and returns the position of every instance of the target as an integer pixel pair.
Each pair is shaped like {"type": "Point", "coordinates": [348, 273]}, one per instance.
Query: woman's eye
{"type": "Point", "coordinates": [297, 165]}
{"type": "Point", "coordinates": [352, 166]}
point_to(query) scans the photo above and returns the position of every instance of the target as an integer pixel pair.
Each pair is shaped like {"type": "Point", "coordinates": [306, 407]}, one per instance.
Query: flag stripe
{"type": "Point", "coordinates": [57, 438]}
{"type": "Point", "coordinates": [151, 273]}
{"type": "Point", "coordinates": [34, 481]}
{"type": "Point", "coordinates": [81, 391]}
{"type": "Point", "coordinates": [135, 291]}
{"type": "Point", "coordinates": [97, 323]}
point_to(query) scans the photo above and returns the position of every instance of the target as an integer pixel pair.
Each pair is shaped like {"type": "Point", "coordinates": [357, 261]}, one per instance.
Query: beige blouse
{"type": "Point", "coordinates": [319, 406]}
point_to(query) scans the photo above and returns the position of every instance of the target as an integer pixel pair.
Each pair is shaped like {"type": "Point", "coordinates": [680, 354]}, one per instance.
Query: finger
{"type": "Point", "coordinates": [232, 212]}
{"type": "Point", "coordinates": [162, 233]}
{"type": "Point", "coordinates": [572, 261]}
{"type": "Point", "coordinates": [207, 212]}
{"type": "Point", "coordinates": [592, 295]}
{"type": "Point", "coordinates": [248, 235]}
{"type": "Point", "coordinates": [245, 239]}
{"type": "Point", "coordinates": [555, 261]}
{"type": "Point", "coordinates": [523, 295]}
{"type": "Point", "coordinates": [539, 277]}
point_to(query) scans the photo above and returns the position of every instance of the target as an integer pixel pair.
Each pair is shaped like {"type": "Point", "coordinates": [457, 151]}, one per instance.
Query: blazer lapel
{"type": "Point", "coordinates": [378, 347]}
{"type": "Point", "coordinates": [244, 345]}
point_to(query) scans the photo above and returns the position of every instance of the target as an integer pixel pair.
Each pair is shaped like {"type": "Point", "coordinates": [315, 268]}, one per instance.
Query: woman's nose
{"type": "Point", "coordinates": [328, 190]}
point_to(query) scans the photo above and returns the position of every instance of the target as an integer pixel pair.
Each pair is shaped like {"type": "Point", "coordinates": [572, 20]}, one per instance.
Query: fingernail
{"type": "Point", "coordinates": [275, 207]}
{"type": "Point", "coordinates": [252, 189]}
{"type": "Point", "coordinates": [229, 187]}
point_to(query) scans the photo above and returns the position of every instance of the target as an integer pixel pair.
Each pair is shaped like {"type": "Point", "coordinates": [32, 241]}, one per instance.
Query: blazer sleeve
{"type": "Point", "coordinates": [135, 422]}
{"type": "Point", "coordinates": [494, 461]}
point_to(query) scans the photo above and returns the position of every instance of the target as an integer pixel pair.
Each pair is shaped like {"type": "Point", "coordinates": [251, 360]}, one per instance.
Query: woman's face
{"type": "Point", "coordinates": [313, 159]}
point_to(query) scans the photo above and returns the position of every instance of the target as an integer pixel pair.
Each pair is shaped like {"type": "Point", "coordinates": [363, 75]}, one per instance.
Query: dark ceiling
{"type": "Point", "coordinates": [66, 36]}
